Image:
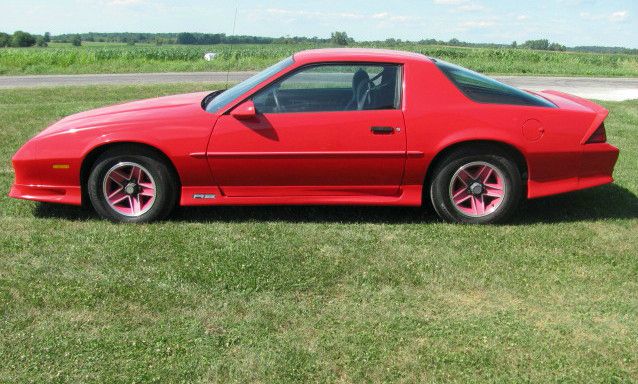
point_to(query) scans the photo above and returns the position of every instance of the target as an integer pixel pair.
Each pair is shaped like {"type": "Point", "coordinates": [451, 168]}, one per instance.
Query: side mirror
{"type": "Point", "coordinates": [244, 111]}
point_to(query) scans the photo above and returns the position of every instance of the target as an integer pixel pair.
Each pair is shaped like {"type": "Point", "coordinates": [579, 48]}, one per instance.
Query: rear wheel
{"type": "Point", "coordinates": [126, 187]}
{"type": "Point", "coordinates": [476, 187]}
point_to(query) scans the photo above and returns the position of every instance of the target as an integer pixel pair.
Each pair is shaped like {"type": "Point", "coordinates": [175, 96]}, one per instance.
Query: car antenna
{"type": "Point", "coordinates": [231, 44]}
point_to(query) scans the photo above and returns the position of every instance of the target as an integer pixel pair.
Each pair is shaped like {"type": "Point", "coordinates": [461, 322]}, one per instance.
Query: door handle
{"type": "Point", "coordinates": [382, 130]}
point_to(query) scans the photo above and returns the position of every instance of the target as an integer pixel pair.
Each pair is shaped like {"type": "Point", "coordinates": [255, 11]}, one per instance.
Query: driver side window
{"type": "Point", "coordinates": [333, 87]}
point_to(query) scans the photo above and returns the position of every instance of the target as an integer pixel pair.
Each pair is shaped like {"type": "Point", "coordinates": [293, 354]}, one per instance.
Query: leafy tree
{"type": "Point", "coordinates": [514, 44]}
{"type": "Point", "coordinates": [542, 44]}
{"type": "Point", "coordinates": [209, 38]}
{"type": "Point", "coordinates": [340, 38]}
{"type": "Point", "coordinates": [40, 41]}
{"type": "Point", "coordinates": [76, 40]}
{"type": "Point", "coordinates": [47, 37]}
{"type": "Point", "coordinates": [392, 41]}
{"type": "Point", "coordinates": [22, 39]}
{"type": "Point", "coordinates": [557, 47]}
{"type": "Point", "coordinates": [186, 38]}
{"type": "Point", "coordinates": [599, 49]}
{"type": "Point", "coordinates": [5, 40]}
{"type": "Point", "coordinates": [430, 42]}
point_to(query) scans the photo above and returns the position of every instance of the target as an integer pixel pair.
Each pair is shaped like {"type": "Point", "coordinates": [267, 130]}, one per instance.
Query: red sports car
{"type": "Point", "coordinates": [328, 126]}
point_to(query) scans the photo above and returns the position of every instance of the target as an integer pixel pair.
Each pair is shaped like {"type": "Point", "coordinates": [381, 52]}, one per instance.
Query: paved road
{"type": "Point", "coordinates": [591, 88]}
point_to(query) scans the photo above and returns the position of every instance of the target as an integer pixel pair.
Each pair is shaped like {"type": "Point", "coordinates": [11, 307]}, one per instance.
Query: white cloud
{"type": "Point", "coordinates": [614, 17]}
{"type": "Point", "coordinates": [124, 2]}
{"type": "Point", "coordinates": [318, 15]}
{"type": "Point", "coordinates": [522, 17]}
{"type": "Point", "coordinates": [385, 16]}
{"type": "Point", "coordinates": [618, 16]}
{"type": "Point", "coordinates": [477, 24]}
{"type": "Point", "coordinates": [450, 2]}
{"type": "Point", "coordinates": [469, 8]}
{"type": "Point", "coordinates": [381, 15]}
{"type": "Point", "coordinates": [314, 15]}
{"type": "Point", "coordinates": [461, 5]}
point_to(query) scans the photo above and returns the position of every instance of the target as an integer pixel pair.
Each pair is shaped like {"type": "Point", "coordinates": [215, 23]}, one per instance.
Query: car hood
{"type": "Point", "coordinates": [160, 109]}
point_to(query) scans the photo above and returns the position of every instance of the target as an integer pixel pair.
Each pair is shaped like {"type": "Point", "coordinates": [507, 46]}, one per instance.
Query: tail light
{"type": "Point", "coordinates": [599, 135]}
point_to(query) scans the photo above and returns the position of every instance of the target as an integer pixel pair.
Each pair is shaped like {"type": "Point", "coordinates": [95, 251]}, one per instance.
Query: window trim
{"type": "Point", "coordinates": [461, 89]}
{"type": "Point", "coordinates": [226, 108]}
{"type": "Point", "coordinates": [400, 87]}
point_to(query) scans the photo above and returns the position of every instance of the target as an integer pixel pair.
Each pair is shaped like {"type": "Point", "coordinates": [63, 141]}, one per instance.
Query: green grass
{"type": "Point", "coordinates": [114, 58]}
{"type": "Point", "coordinates": [305, 294]}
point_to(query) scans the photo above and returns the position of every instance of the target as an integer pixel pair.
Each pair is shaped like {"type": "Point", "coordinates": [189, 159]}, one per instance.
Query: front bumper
{"type": "Point", "coordinates": [47, 193]}
{"type": "Point", "coordinates": [43, 179]}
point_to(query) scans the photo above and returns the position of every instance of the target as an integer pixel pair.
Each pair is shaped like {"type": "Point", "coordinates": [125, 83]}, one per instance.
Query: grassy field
{"type": "Point", "coordinates": [113, 58]}
{"type": "Point", "coordinates": [304, 294]}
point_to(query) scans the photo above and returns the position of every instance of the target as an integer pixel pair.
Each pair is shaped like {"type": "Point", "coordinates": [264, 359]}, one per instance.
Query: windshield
{"type": "Point", "coordinates": [483, 89]}
{"type": "Point", "coordinates": [234, 92]}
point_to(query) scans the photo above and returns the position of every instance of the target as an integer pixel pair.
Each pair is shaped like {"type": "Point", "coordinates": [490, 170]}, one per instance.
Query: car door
{"type": "Point", "coordinates": [326, 129]}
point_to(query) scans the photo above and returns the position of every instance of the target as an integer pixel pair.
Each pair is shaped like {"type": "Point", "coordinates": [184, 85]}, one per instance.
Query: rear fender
{"type": "Point", "coordinates": [601, 112]}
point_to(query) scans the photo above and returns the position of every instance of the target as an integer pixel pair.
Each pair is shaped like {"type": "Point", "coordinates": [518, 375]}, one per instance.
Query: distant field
{"type": "Point", "coordinates": [315, 294]}
{"type": "Point", "coordinates": [120, 58]}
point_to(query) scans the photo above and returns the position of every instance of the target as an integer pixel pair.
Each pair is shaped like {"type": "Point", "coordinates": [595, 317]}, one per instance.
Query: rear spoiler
{"type": "Point", "coordinates": [584, 104]}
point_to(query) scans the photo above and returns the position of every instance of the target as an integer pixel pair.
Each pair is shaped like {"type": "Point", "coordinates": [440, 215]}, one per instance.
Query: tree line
{"type": "Point", "coordinates": [187, 38]}
{"type": "Point", "coordinates": [339, 38]}
{"type": "Point", "coordinates": [24, 39]}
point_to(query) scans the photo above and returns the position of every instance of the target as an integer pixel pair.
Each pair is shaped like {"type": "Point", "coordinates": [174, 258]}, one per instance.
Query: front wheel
{"type": "Point", "coordinates": [476, 188]}
{"type": "Point", "coordinates": [127, 187]}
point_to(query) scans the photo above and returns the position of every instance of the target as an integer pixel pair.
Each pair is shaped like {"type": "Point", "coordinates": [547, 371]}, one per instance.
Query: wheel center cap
{"type": "Point", "coordinates": [476, 188]}
{"type": "Point", "coordinates": [130, 188]}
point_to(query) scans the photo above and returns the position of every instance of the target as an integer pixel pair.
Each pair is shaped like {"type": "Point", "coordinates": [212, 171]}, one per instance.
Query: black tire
{"type": "Point", "coordinates": [166, 187]}
{"type": "Point", "coordinates": [441, 188]}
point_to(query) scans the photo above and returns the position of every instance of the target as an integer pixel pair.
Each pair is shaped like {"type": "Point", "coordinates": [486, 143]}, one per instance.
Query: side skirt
{"type": "Point", "coordinates": [409, 195]}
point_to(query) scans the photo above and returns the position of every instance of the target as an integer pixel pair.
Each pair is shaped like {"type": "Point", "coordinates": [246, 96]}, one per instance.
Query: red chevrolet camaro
{"type": "Point", "coordinates": [328, 126]}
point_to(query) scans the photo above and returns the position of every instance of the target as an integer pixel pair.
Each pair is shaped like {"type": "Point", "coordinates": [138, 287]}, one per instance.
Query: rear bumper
{"type": "Point", "coordinates": [596, 168]}
{"type": "Point", "coordinates": [598, 160]}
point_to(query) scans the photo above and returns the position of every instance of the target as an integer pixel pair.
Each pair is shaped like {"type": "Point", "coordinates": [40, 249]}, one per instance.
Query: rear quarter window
{"type": "Point", "coordinates": [483, 89]}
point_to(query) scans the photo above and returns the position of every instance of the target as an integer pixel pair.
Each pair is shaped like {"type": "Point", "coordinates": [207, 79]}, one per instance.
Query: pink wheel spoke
{"type": "Point", "coordinates": [136, 173]}
{"type": "Point", "coordinates": [137, 203]}
{"type": "Point", "coordinates": [464, 177]}
{"type": "Point", "coordinates": [115, 191]}
{"type": "Point", "coordinates": [148, 189]}
{"type": "Point", "coordinates": [461, 196]}
{"type": "Point", "coordinates": [480, 205]}
{"type": "Point", "coordinates": [117, 177]}
{"type": "Point", "coordinates": [496, 187]}
{"type": "Point", "coordinates": [117, 197]}
{"type": "Point", "coordinates": [147, 186]}
{"type": "Point", "coordinates": [134, 203]}
{"type": "Point", "coordinates": [460, 192]}
{"type": "Point", "coordinates": [484, 174]}
{"type": "Point", "coordinates": [493, 192]}
{"type": "Point", "coordinates": [473, 205]}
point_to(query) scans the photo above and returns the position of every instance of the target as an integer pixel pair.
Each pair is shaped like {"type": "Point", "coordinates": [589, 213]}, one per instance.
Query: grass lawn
{"type": "Point", "coordinates": [302, 294]}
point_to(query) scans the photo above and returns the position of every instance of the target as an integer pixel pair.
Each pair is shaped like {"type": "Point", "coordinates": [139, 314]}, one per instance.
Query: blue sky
{"type": "Point", "coordinates": [571, 22]}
